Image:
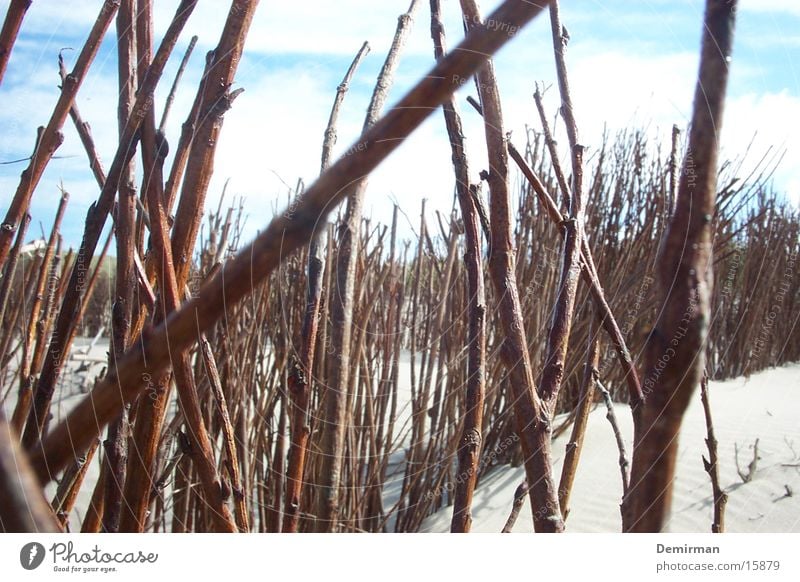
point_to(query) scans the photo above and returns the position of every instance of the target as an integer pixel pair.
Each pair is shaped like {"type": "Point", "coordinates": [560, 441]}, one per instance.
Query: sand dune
{"type": "Point", "coordinates": [766, 407]}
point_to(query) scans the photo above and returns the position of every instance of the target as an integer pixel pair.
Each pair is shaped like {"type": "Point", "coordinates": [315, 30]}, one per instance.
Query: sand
{"type": "Point", "coordinates": [766, 407]}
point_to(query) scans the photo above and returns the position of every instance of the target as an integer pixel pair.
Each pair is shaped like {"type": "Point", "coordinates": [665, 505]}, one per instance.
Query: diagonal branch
{"type": "Point", "coordinates": [22, 504]}
{"type": "Point", "coordinates": [285, 234]}
{"type": "Point", "coordinates": [11, 25]}
{"type": "Point", "coordinates": [561, 324]}
{"type": "Point", "coordinates": [585, 402]}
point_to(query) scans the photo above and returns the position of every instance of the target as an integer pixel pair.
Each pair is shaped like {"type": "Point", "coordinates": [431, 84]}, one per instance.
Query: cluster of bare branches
{"type": "Point", "coordinates": [335, 377]}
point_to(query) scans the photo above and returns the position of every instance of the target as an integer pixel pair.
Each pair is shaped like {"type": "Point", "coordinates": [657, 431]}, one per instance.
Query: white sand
{"type": "Point", "coordinates": [767, 407]}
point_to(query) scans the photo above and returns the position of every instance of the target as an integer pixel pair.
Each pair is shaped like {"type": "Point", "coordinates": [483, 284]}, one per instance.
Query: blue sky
{"type": "Point", "coordinates": [632, 63]}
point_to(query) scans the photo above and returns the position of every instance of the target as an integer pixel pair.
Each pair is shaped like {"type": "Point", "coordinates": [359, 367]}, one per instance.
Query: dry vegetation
{"type": "Point", "coordinates": [266, 387]}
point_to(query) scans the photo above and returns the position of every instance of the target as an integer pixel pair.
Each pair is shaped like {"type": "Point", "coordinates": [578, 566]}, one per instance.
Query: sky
{"type": "Point", "coordinates": [631, 64]}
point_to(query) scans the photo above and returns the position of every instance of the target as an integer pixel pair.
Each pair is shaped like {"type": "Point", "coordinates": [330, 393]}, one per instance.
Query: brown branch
{"type": "Point", "coordinates": [162, 125]}
{"type": "Point", "coordinates": [588, 269]}
{"type": "Point", "coordinates": [153, 145]}
{"type": "Point", "coordinates": [200, 447]}
{"type": "Point", "coordinates": [561, 324]}
{"type": "Point", "coordinates": [585, 402]}
{"type": "Point", "coordinates": [10, 269]}
{"type": "Point", "coordinates": [470, 446]}
{"type": "Point", "coordinates": [228, 438]}
{"type": "Point", "coordinates": [612, 419]}
{"type": "Point", "coordinates": [84, 131]}
{"type": "Point", "coordinates": [39, 418]}
{"type": "Point", "coordinates": [93, 520]}
{"type": "Point", "coordinates": [516, 507]}
{"type": "Point", "coordinates": [274, 518]}
{"type": "Point", "coordinates": [552, 147]}
{"type": "Point", "coordinates": [35, 326]}
{"type": "Point", "coordinates": [531, 414]}
{"type": "Point", "coordinates": [330, 131]}
{"type": "Point", "coordinates": [711, 464]}
{"type": "Point", "coordinates": [216, 99]}
{"type": "Point", "coordinates": [200, 444]}
{"type": "Point", "coordinates": [675, 351]}
{"type": "Point", "coordinates": [188, 128]}
{"type": "Point", "coordinates": [335, 399]}
{"type": "Point", "coordinates": [70, 484]}
{"type": "Point", "coordinates": [589, 274]}
{"type": "Point", "coordinates": [560, 41]}
{"type": "Point", "coordinates": [115, 445]}
{"type": "Point", "coordinates": [22, 504]}
{"type": "Point", "coordinates": [45, 324]}
{"type": "Point", "coordinates": [8, 36]}
{"type": "Point", "coordinates": [150, 412]}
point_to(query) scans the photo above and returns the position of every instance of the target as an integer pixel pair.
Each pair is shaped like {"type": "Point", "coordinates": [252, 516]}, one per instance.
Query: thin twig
{"type": "Point", "coordinates": [624, 465]}
{"type": "Point", "coordinates": [229, 441]}
{"type": "Point", "coordinates": [178, 75]}
{"type": "Point", "coordinates": [561, 324]}
{"type": "Point", "coordinates": [519, 500]}
{"type": "Point", "coordinates": [711, 464]}
{"type": "Point", "coordinates": [116, 443]}
{"type": "Point", "coordinates": [585, 402]}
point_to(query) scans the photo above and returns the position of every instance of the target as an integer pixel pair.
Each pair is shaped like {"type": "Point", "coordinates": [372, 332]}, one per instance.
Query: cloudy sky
{"type": "Point", "coordinates": [632, 63]}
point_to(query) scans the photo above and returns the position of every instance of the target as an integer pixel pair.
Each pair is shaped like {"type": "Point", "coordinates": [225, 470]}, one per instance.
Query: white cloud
{"type": "Point", "coordinates": [625, 89]}
{"type": "Point", "coordinates": [768, 120]}
{"type": "Point", "coordinates": [791, 7]}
